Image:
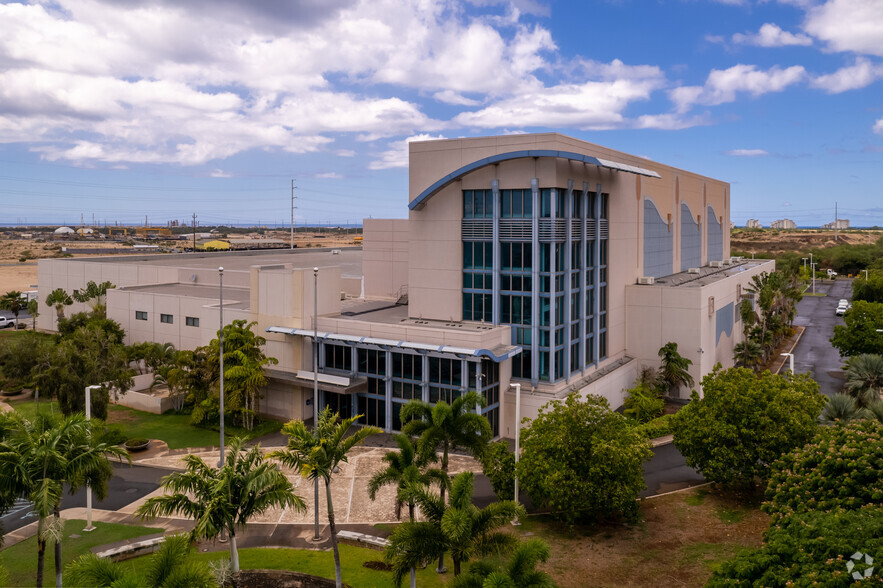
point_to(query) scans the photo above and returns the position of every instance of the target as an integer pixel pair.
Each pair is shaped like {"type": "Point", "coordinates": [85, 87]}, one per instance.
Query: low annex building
{"type": "Point", "coordinates": [538, 259]}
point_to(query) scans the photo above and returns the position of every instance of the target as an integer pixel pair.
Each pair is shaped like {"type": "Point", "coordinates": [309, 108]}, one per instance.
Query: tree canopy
{"type": "Point", "coordinates": [744, 422]}
{"type": "Point", "coordinates": [859, 333]}
{"type": "Point", "coordinates": [583, 460]}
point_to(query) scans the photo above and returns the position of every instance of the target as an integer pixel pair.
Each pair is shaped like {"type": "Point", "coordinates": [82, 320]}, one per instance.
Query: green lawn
{"type": "Point", "coordinates": [20, 559]}
{"type": "Point", "coordinates": [174, 429]}
{"type": "Point", "coordinates": [318, 563]}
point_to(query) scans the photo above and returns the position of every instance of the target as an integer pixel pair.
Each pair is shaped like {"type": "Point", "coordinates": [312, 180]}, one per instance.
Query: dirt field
{"type": "Point", "coordinates": [22, 275]}
{"type": "Point", "coordinates": [780, 241]}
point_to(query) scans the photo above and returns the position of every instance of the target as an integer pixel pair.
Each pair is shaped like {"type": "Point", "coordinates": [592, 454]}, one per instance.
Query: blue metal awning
{"type": "Point", "coordinates": [498, 354]}
{"type": "Point", "coordinates": [429, 192]}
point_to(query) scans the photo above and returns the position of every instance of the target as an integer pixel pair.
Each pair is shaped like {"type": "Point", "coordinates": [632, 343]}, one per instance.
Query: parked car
{"type": "Point", "coordinates": [841, 309]}
{"type": "Point", "coordinates": [7, 321]}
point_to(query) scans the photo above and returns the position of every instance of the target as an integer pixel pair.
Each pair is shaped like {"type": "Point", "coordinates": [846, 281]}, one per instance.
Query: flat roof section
{"type": "Point", "coordinates": [708, 274]}
{"type": "Point", "coordinates": [233, 297]}
{"type": "Point", "coordinates": [349, 259]}
{"type": "Point", "coordinates": [387, 312]}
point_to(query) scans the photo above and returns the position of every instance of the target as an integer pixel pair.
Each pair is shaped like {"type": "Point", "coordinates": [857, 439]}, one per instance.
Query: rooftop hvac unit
{"type": "Point", "coordinates": [727, 261]}
{"type": "Point", "coordinates": [646, 280]}
{"type": "Point", "coordinates": [693, 270]}
{"type": "Point", "coordinates": [716, 264]}
{"type": "Point", "coordinates": [343, 295]}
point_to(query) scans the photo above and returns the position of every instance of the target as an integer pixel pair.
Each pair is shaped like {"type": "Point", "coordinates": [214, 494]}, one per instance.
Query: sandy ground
{"type": "Point", "coordinates": [798, 240]}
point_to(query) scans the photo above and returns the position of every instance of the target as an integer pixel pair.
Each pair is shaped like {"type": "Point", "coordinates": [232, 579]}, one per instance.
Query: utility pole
{"type": "Point", "coordinates": [292, 212]}
{"type": "Point", "coordinates": [835, 222]}
{"type": "Point", "coordinates": [194, 232]}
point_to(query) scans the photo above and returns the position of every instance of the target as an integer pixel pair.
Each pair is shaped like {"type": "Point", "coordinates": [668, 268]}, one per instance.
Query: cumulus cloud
{"type": "Point", "coordinates": [770, 35]}
{"type": "Point", "coordinates": [746, 152]}
{"type": "Point", "coordinates": [723, 86]}
{"type": "Point", "coordinates": [861, 74]}
{"type": "Point", "coordinates": [397, 155]}
{"type": "Point", "coordinates": [878, 126]}
{"type": "Point", "coordinates": [848, 25]}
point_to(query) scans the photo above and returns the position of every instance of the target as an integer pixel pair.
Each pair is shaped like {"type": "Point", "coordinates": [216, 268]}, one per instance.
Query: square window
{"type": "Point", "coordinates": [140, 315]}
{"type": "Point", "coordinates": [166, 318]}
{"type": "Point", "coordinates": [191, 321]}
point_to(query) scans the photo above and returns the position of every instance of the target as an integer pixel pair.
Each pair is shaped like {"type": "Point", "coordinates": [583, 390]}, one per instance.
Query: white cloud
{"type": "Point", "coordinates": [219, 173]}
{"type": "Point", "coordinates": [328, 176]}
{"type": "Point", "coordinates": [848, 25]}
{"type": "Point", "coordinates": [747, 152]}
{"type": "Point", "coordinates": [853, 77]}
{"type": "Point", "coordinates": [670, 122]}
{"type": "Point", "coordinates": [455, 98]}
{"type": "Point", "coordinates": [722, 86]}
{"type": "Point", "coordinates": [397, 155]}
{"type": "Point", "coordinates": [878, 126]}
{"type": "Point", "coordinates": [770, 35]}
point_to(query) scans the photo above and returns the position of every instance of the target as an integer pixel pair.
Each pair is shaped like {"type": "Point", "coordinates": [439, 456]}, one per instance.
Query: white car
{"type": "Point", "coordinates": [841, 309]}
{"type": "Point", "coordinates": [7, 321]}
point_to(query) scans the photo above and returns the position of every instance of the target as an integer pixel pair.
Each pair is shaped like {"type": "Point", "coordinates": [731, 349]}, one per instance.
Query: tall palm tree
{"type": "Point", "coordinates": [518, 572]}
{"type": "Point", "coordinates": [404, 468]}
{"type": "Point", "coordinates": [673, 369]}
{"type": "Point", "coordinates": [58, 299]}
{"type": "Point", "coordinates": [317, 453]}
{"type": "Point", "coordinates": [38, 457]}
{"type": "Point", "coordinates": [170, 566]}
{"type": "Point", "coordinates": [460, 527]}
{"type": "Point", "coordinates": [447, 426]}
{"type": "Point", "coordinates": [224, 499]}
{"type": "Point", "coordinates": [12, 301]}
{"type": "Point", "coordinates": [864, 377]}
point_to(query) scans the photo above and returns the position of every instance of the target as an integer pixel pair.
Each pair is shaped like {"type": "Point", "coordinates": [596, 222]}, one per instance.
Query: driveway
{"type": "Point", "coordinates": [814, 352]}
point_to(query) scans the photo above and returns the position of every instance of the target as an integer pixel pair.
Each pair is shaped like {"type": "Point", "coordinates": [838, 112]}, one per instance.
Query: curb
{"type": "Point", "coordinates": [791, 350]}
{"type": "Point", "coordinates": [659, 441]}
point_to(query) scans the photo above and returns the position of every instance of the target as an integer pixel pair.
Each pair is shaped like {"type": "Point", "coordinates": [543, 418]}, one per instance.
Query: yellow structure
{"type": "Point", "coordinates": [144, 232]}
{"type": "Point", "coordinates": [216, 245]}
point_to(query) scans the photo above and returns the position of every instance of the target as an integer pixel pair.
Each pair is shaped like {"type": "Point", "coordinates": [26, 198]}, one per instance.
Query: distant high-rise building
{"type": "Point", "coordinates": [840, 223]}
{"type": "Point", "coordinates": [785, 223]}
{"type": "Point", "coordinates": [752, 223]}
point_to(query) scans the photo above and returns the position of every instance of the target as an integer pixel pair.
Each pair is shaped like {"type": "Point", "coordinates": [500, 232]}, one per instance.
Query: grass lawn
{"type": "Point", "coordinates": [174, 429]}
{"type": "Point", "coordinates": [318, 563]}
{"type": "Point", "coordinates": [20, 559]}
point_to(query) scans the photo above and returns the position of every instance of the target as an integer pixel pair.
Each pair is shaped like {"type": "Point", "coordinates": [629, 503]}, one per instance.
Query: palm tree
{"type": "Point", "coordinates": [33, 308]}
{"type": "Point", "coordinates": [93, 291]}
{"type": "Point", "coordinates": [518, 572]}
{"type": "Point", "coordinates": [405, 469]}
{"type": "Point", "coordinates": [38, 457]}
{"type": "Point", "coordinates": [864, 377]}
{"type": "Point", "coordinates": [461, 528]}
{"type": "Point", "coordinates": [12, 301]}
{"type": "Point", "coordinates": [841, 409]}
{"type": "Point", "coordinates": [747, 354]}
{"type": "Point", "coordinates": [169, 566]}
{"type": "Point", "coordinates": [317, 453]}
{"type": "Point", "coordinates": [224, 499]}
{"type": "Point", "coordinates": [673, 370]}
{"type": "Point", "coordinates": [447, 426]}
{"type": "Point", "coordinates": [58, 298]}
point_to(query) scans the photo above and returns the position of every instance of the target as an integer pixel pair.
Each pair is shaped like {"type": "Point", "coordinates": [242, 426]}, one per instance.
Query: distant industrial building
{"type": "Point", "coordinates": [785, 223]}
{"type": "Point", "coordinates": [840, 223]}
{"type": "Point", "coordinates": [752, 223]}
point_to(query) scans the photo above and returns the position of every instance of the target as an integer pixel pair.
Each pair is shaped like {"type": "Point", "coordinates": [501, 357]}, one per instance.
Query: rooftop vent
{"type": "Point", "coordinates": [716, 264]}
{"type": "Point", "coordinates": [693, 270]}
{"type": "Point", "coordinates": [646, 280]}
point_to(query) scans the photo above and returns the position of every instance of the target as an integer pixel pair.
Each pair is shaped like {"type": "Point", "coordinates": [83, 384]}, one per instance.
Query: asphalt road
{"type": "Point", "coordinates": [129, 483]}
{"type": "Point", "coordinates": [814, 352]}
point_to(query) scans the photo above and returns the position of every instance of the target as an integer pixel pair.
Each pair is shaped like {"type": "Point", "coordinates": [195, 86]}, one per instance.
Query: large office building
{"type": "Point", "coordinates": [538, 260]}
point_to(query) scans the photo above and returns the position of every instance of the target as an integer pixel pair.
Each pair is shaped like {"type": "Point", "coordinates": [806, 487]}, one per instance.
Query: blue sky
{"type": "Point", "coordinates": [159, 109]}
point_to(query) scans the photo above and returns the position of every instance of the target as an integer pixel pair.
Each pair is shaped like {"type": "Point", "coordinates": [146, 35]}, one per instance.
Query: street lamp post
{"type": "Point", "coordinates": [221, 355]}
{"type": "Point", "coordinates": [316, 537]}
{"type": "Point", "coordinates": [89, 525]}
{"type": "Point", "coordinates": [804, 262]}
{"type": "Point", "coordinates": [517, 441]}
{"type": "Point", "coordinates": [813, 267]}
{"type": "Point", "coordinates": [790, 357]}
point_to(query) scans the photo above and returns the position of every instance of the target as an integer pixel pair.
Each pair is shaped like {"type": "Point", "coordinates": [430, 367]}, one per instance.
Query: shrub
{"type": "Point", "coordinates": [643, 404]}
{"type": "Point", "coordinates": [112, 435]}
{"type": "Point", "coordinates": [498, 464]}
{"type": "Point", "coordinates": [658, 427]}
{"type": "Point", "coordinates": [745, 422]}
{"type": "Point", "coordinates": [583, 460]}
{"type": "Point", "coordinates": [842, 467]}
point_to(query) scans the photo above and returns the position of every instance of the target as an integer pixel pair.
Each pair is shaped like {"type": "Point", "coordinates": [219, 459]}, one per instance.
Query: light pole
{"type": "Point", "coordinates": [517, 387]}
{"type": "Point", "coordinates": [866, 275]}
{"type": "Point", "coordinates": [221, 355]}
{"type": "Point", "coordinates": [89, 525]}
{"type": "Point", "coordinates": [813, 267]}
{"type": "Point", "coordinates": [790, 357]}
{"type": "Point", "coordinates": [316, 537]}
{"type": "Point", "coordinates": [804, 262]}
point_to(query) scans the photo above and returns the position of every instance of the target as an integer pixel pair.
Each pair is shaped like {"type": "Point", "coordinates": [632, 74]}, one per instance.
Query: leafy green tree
{"type": "Point", "coordinates": [175, 377]}
{"type": "Point", "coordinates": [33, 308]}
{"type": "Point", "coordinates": [460, 528]}
{"type": "Point", "coordinates": [19, 355]}
{"type": "Point", "coordinates": [642, 403]}
{"type": "Point", "coordinates": [673, 371]}
{"type": "Point", "coordinates": [446, 427]}
{"type": "Point", "coordinates": [839, 468]}
{"type": "Point", "coordinates": [583, 460]}
{"type": "Point", "coordinates": [315, 454]}
{"type": "Point", "coordinates": [112, 330]}
{"type": "Point", "coordinates": [58, 299]}
{"type": "Point", "coordinates": [37, 458]}
{"type": "Point", "coordinates": [498, 464]}
{"type": "Point", "coordinates": [408, 471]}
{"type": "Point", "coordinates": [811, 549]}
{"type": "Point", "coordinates": [224, 499]}
{"type": "Point", "coordinates": [745, 422]}
{"type": "Point", "coordinates": [864, 378]}
{"type": "Point", "coordinates": [170, 567]}
{"type": "Point", "coordinates": [869, 290]}
{"type": "Point", "coordinates": [519, 571]}
{"type": "Point", "coordinates": [12, 302]}
{"type": "Point", "coordinates": [859, 333]}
